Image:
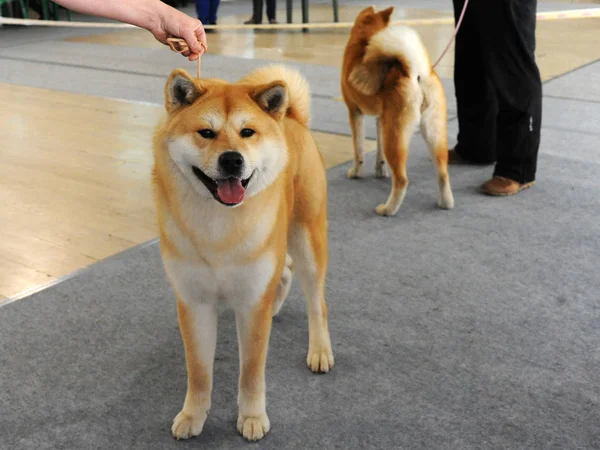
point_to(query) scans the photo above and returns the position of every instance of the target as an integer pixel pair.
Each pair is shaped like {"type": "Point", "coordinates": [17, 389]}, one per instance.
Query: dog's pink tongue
{"type": "Point", "coordinates": [231, 190]}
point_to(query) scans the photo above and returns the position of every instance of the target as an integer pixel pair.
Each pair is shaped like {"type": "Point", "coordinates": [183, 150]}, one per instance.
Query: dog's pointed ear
{"type": "Point", "coordinates": [368, 10]}
{"type": "Point", "coordinates": [272, 98]}
{"type": "Point", "coordinates": [366, 16]}
{"type": "Point", "coordinates": [386, 14]}
{"type": "Point", "coordinates": [181, 90]}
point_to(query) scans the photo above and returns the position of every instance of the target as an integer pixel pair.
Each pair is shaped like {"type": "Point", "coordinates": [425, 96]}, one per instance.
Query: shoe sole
{"type": "Point", "coordinates": [508, 194]}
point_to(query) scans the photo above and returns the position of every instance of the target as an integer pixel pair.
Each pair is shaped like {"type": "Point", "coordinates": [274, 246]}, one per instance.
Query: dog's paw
{"type": "Point", "coordinates": [253, 428]}
{"type": "Point", "coordinates": [446, 204]}
{"type": "Point", "coordinates": [446, 201]}
{"type": "Point", "coordinates": [186, 426]}
{"type": "Point", "coordinates": [383, 210]}
{"type": "Point", "coordinates": [320, 360]}
{"type": "Point", "coordinates": [355, 172]}
{"type": "Point", "coordinates": [381, 170]}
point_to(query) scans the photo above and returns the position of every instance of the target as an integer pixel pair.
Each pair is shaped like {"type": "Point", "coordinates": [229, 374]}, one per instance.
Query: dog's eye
{"type": "Point", "coordinates": [246, 133]}
{"type": "Point", "coordinates": [207, 134]}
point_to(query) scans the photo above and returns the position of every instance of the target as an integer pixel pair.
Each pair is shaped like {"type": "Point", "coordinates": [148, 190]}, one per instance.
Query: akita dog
{"type": "Point", "coordinates": [239, 182]}
{"type": "Point", "coordinates": [387, 73]}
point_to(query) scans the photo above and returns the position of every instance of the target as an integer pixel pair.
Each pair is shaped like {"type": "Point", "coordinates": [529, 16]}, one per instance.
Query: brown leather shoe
{"type": "Point", "coordinates": [500, 186]}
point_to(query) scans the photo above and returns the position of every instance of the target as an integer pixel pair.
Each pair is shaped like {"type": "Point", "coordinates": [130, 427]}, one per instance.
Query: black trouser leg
{"type": "Point", "coordinates": [257, 10]}
{"type": "Point", "coordinates": [510, 46]}
{"type": "Point", "coordinates": [271, 8]}
{"type": "Point", "coordinates": [475, 95]}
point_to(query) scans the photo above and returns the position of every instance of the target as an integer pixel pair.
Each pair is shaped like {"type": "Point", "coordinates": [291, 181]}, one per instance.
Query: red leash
{"type": "Point", "coordinates": [454, 35]}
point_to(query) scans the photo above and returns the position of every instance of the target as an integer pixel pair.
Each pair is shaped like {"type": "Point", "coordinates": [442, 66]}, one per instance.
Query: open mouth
{"type": "Point", "coordinates": [228, 191]}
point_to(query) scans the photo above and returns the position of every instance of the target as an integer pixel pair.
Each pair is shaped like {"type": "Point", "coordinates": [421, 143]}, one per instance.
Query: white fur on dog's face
{"type": "Point", "coordinates": [265, 153]}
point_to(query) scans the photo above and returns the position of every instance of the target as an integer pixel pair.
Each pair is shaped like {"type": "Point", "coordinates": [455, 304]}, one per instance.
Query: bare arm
{"type": "Point", "coordinates": [158, 18]}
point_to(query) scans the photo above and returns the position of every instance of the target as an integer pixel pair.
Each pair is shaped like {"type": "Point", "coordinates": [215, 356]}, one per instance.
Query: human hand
{"type": "Point", "coordinates": [174, 23]}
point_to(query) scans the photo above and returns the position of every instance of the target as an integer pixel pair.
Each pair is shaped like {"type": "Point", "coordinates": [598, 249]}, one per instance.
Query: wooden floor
{"type": "Point", "coordinates": [70, 200]}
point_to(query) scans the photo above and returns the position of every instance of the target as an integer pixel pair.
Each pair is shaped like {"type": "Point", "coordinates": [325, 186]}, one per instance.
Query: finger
{"type": "Point", "coordinates": [192, 41]}
{"type": "Point", "coordinates": [201, 37]}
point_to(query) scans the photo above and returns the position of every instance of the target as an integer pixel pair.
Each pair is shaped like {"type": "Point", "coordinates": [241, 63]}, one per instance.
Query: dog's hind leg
{"type": "Point", "coordinates": [434, 128]}
{"type": "Point", "coordinates": [283, 289]}
{"type": "Point", "coordinates": [356, 118]}
{"type": "Point", "coordinates": [380, 166]}
{"type": "Point", "coordinates": [308, 245]}
{"type": "Point", "coordinates": [398, 123]}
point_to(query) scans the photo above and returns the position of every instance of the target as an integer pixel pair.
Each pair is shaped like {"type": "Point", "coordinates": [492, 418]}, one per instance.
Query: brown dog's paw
{"type": "Point", "coordinates": [253, 428]}
{"type": "Point", "coordinates": [320, 360]}
{"type": "Point", "coordinates": [185, 426]}
{"type": "Point", "coordinates": [383, 210]}
{"type": "Point", "coordinates": [381, 170]}
{"type": "Point", "coordinates": [355, 172]}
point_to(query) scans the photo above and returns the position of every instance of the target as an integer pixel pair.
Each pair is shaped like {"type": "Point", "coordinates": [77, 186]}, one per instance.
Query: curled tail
{"type": "Point", "coordinates": [297, 88]}
{"type": "Point", "coordinates": [393, 52]}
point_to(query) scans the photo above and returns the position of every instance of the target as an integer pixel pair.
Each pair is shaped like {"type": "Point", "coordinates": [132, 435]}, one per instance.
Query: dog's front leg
{"type": "Point", "coordinates": [254, 329]}
{"type": "Point", "coordinates": [198, 326]}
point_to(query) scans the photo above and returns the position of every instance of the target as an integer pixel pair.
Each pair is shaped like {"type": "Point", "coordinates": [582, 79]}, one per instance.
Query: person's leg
{"type": "Point", "coordinates": [515, 74]}
{"type": "Point", "coordinates": [257, 11]}
{"type": "Point", "coordinates": [203, 11]}
{"type": "Point", "coordinates": [214, 8]}
{"type": "Point", "coordinates": [475, 96]}
{"type": "Point", "coordinates": [271, 10]}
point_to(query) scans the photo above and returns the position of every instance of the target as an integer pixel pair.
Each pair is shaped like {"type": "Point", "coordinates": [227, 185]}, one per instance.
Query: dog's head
{"type": "Point", "coordinates": [369, 22]}
{"type": "Point", "coordinates": [226, 139]}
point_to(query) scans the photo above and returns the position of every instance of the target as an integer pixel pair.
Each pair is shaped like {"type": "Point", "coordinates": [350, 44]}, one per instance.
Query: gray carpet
{"type": "Point", "coordinates": [583, 84]}
{"type": "Point", "coordinates": [476, 328]}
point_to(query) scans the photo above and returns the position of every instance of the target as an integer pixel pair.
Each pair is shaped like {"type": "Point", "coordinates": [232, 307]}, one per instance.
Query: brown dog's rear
{"type": "Point", "coordinates": [387, 73]}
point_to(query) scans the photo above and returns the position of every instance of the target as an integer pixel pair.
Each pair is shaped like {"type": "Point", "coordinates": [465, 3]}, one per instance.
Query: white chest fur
{"type": "Point", "coordinates": [235, 286]}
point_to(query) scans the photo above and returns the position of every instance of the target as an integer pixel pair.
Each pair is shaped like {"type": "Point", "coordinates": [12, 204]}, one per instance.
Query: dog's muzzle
{"type": "Point", "coordinates": [229, 188]}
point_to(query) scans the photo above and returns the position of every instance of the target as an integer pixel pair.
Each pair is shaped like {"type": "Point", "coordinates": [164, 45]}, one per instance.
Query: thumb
{"type": "Point", "coordinates": [193, 38]}
{"type": "Point", "coordinates": [201, 37]}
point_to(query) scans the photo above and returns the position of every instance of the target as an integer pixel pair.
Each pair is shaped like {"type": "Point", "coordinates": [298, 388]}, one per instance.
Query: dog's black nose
{"type": "Point", "coordinates": [231, 163]}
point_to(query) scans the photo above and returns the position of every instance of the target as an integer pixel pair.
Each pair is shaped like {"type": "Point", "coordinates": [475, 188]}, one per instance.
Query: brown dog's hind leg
{"type": "Point", "coordinates": [434, 128]}
{"type": "Point", "coordinates": [397, 128]}
{"type": "Point", "coordinates": [308, 245]}
{"type": "Point", "coordinates": [356, 118]}
{"type": "Point", "coordinates": [380, 165]}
